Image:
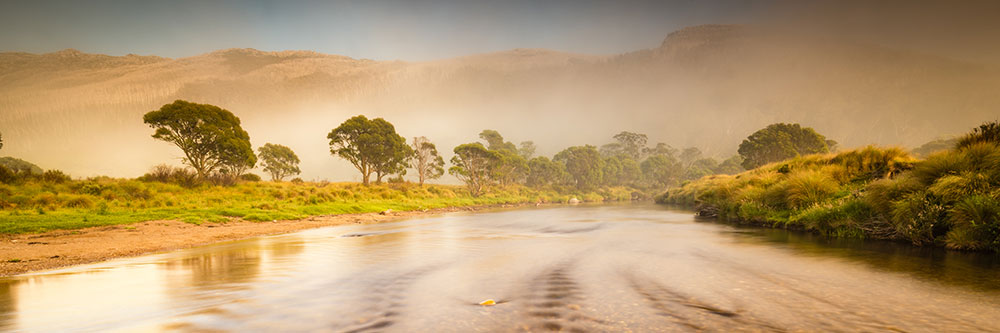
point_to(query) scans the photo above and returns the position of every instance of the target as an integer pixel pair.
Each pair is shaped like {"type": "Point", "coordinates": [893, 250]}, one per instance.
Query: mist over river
{"type": "Point", "coordinates": [631, 267]}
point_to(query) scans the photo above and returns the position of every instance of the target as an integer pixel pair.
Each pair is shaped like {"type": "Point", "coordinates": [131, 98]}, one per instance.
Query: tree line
{"type": "Point", "coordinates": [215, 145]}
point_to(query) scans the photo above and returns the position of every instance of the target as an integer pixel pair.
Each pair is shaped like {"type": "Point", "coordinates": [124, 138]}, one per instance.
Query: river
{"type": "Point", "coordinates": [633, 267]}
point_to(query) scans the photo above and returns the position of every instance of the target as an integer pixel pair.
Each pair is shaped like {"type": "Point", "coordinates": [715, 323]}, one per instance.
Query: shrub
{"type": "Point", "coordinates": [44, 199]}
{"type": "Point", "coordinates": [186, 178]}
{"type": "Point", "coordinates": [158, 173]}
{"type": "Point", "coordinates": [79, 202]}
{"type": "Point", "coordinates": [920, 218]}
{"type": "Point", "coordinates": [6, 175]}
{"type": "Point", "coordinates": [167, 174]}
{"type": "Point", "coordinates": [92, 189]}
{"type": "Point", "coordinates": [135, 191]}
{"type": "Point", "coordinates": [297, 180]}
{"type": "Point", "coordinates": [986, 133]}
{"type": "Point", "coordinates": [249, 177]}
{"type": "Point", "coordinates": [55, 176]}
{"type": "Point", "coordinates": [221, 179]}
{"type": "Point", "coordinates": [975, 224]}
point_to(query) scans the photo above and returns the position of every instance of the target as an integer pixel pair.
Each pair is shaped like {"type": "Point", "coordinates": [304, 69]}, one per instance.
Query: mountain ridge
{"type": "Point", "coordinates": [706, 86]}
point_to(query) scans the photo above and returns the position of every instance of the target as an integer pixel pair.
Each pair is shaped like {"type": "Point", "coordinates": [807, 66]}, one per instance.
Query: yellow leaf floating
{"type": "Point", "coordinates": [488, 302]}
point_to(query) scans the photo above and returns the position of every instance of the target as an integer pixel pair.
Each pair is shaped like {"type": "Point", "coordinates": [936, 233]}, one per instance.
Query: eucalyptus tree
{"type": "Point", "coordinates": [426, 161]}
{"type": "Point", "coordinates": [527, 150]}
{"type": "Point", "coordinates": [510, 167]}
{"type": "Point", "coordinates": [279, 161]}
{"type": "Point", "coordinates": [544, 172]}
{"type": "Point", "coordinates": [472, 165]}
{"type": "Point", "coordinates": [584, 165]}
{"type": "Point", "coordinates": [778, 142]}
{"type": "Point", "coordinates": [631, 144]}
{"type": "Point", "coordinates": [210, 137]}
{"type": "Point", "coordinates": [372, 146]}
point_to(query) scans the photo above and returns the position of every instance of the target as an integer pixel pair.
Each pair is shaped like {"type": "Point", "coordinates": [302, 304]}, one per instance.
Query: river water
{"type": "Point", "coordinates": [632, 267]}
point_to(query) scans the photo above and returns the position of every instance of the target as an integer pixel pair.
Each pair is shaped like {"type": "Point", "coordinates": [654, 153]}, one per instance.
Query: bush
{"type": "Point", "coordinates": [173, 175]}
{"type": "Point", "coordinates": [985, 133]}
{"type": "Point", "coordinates": [92, 189]}
{"type": "Point", "coordinates": [221, 179]}
{"type": "Point", "coordinates": [975, 224]}
{"type": "Point", "coordinates": [249, 177]}
{"type": "Point", "coordinates": [55, 177]}
{"type": "Point", "coordinates": [159, 173]}
{"type": "Point", "coordinates": [79, 202]}
{"type": "Point", "coordinates": [919, 218]}
{"type": "Point", "coordinates": [6, 175]}
{"type": "Point", "coordinates": [949, 199]}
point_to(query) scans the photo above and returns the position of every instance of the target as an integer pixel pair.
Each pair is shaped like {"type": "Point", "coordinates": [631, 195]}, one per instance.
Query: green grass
{"type": "Point", "coordinates": [951, 199]}
{"type": "Point", "coordinates": [38, 206]}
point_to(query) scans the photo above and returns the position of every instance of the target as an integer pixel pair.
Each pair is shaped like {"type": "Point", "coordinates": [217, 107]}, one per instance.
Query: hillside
{"type": "Point", "coordinates": [707, 86]}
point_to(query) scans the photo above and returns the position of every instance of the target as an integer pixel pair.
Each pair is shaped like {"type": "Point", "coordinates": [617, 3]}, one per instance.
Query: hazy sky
{"type": "Point", "coordinates": [383, 30]}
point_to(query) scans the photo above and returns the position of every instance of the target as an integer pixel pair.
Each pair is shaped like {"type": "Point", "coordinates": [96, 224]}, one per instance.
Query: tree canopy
{"type": "Point", "coordinates": [372, 146]}
{"type": "Point", "coordinates": [544, 172]}
{"type": "Point", "coordinates": [472, 165]}
{"type": "Point", "coordinates": [511, 166]}
{"type": "Point", "coordinates": [584, 165]}
{"type": "Point", "coordinates": [210, 137]}
{"type": "Point", "coordinates": [778, 142]}
{"type": "Point", "coordinates": [527, 149]}
{"type": "Point", "coordinates": [279, 161]}
{"type": "Point", "coordinates": [20, 166]}
{"type": "Point", "coordinates": [631, 144]}
{"type": "Point", "coordinates": [426, 161]}
{"type": "Point", "coordinates": [494, 141]}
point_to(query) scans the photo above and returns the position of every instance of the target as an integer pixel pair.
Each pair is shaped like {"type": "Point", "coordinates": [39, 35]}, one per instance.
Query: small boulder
{"type": "Point", "coordinates": [574, 201]}
{"type": "Point", "coordinates": [386, 212]}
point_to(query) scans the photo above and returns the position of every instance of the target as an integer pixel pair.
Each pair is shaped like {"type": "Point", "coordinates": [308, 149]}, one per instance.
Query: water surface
{"type": "Point", "coordinates": [573, 268]}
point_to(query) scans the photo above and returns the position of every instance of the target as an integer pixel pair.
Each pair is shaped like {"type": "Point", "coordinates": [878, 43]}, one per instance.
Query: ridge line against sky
{"type": "Point", "coordinates": [422, 30]}
{"type": "Point", "coordinates": [379, 30]}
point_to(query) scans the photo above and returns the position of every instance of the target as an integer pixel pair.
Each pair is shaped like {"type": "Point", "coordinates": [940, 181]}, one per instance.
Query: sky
{"type": "Point", "coordinates": [380, 30]}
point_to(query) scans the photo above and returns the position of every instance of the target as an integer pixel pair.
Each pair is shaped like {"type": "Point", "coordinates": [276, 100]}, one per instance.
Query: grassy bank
{"type": "Point", "coordinates": [950, 199]}
{"type": "Point", "coordinates": [39, 205]}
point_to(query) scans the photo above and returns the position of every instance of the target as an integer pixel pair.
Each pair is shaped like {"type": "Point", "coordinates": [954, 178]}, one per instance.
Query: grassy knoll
{"type": "Point", "coordinates": [39, 205]}
{"type": "Point", "coordinates": [950, 199]}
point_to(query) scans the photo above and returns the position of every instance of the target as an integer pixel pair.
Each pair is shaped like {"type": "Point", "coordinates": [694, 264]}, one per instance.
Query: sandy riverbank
{"type": "Point", "coordinates": [32, 252]}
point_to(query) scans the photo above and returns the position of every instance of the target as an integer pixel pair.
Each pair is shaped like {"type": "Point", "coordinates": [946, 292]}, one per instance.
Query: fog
{"type": "Point", "coordinates": [896, 74]}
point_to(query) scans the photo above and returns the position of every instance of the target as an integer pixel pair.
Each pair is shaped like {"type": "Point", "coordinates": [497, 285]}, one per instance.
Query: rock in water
{"type": "Point", "coordinates": [574, 201]}
{"type": "Point", "coordinates": [488, 302]}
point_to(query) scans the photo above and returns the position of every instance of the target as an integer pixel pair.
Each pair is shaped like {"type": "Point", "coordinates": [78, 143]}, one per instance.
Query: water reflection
{"type": "Point", "coordinates": [969, 269]}
{"type": "Point", "coordinates": [8, 305]}
{"type": "Point", "coordinates": [584, 268]}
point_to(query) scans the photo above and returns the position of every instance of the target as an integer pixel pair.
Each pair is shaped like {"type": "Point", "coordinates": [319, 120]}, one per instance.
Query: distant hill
{"type": "Point", "coordinates": [708, 86]}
